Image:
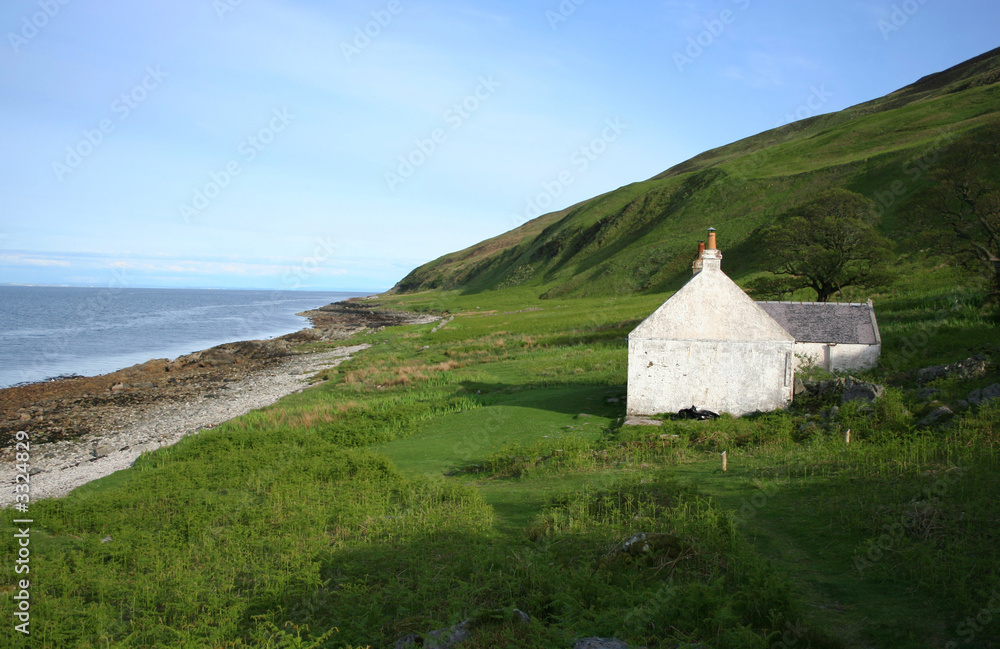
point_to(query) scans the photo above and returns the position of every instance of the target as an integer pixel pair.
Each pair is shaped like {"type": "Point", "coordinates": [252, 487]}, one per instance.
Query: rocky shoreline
{"type": "Point", "coordinates": [83, 428]}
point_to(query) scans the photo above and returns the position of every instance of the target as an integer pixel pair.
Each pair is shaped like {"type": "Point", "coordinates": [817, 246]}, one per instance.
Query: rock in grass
{"type": "Point", "coordinates": [409, 640]}
{"type": "Point", "coordinates": [830, 386]}
{"type": "Point", "coordinates": [642, 421]}
{"type": "Point", "coordinates": [440, 639]}
{"type": "Point", "coordinates": [599, 643]}
{"type": "Point", "coordinates": [979, 397]}
{"type": "Point", "coordinates": [658, 544]}
{"type": "Point", "coordinates": [936, 416]}
{"type": "Point", "coordinates": [636, 543]}
{"type": "Point", "coordinates": [971, 368]}
{"type": "Point", "coordinates": [454, 635]}
{"type": "Point", "coordinates": [861, 391]}
{"type": "Point", "coordinates": [927, 394]}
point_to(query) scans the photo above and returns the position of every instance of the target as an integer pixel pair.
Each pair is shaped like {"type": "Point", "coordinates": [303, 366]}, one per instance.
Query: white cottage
{"type": "Point", "coordinates": [712, 346]}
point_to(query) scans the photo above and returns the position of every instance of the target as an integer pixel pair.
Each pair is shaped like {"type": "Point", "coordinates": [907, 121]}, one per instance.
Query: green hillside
{"type": "Point", "coordinates": [641, 238]}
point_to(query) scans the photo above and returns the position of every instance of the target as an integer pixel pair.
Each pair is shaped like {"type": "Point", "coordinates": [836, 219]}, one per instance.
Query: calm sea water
{"type": "Point", "coordinates": [51, 331]}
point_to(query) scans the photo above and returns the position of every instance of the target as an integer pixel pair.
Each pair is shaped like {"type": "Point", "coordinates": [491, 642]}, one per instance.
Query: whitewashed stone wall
{"type": "Point", "coordinates": [724, 376]}
{"type": "Point", "coordinates": [837, 357]}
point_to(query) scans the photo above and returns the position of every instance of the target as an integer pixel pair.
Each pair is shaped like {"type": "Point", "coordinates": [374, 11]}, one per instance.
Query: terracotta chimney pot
{"type": "Point", "coordinates": [711, 239]}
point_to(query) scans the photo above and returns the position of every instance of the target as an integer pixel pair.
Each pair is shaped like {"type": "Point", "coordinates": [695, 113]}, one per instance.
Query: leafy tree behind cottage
{"type": "Point", "coordinates": [961, 207]}
{"type": "Point", "coordinates": [826, 244]}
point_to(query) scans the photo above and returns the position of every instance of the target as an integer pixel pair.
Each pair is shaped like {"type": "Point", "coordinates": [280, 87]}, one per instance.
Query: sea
{"type": "Point", "coordinates": [50, 331]}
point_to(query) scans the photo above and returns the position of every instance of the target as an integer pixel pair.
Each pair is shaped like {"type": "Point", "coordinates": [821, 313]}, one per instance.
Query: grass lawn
{"type": "Point", "coordinates": [787, 521]}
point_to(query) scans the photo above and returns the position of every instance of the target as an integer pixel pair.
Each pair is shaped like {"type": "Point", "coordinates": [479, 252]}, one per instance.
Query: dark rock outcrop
{"type": "Point", "coordinates": [855, 390]}
{"type": "Point", "coordinates": [985, 395]}
{"type": "Point", "coordinates": [974, 367]}
{"type": "Point", "coordinates": [936, 417]}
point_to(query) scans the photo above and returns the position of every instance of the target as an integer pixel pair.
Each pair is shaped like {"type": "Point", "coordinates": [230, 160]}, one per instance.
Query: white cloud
{"type": "Point", "coordinates": [20, 260]}
{"type": "Point", "coordinates": [495, 18]}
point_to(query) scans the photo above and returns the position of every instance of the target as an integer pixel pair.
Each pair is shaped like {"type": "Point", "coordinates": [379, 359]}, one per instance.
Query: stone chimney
{"type": "Point", "coordinates": [696, 266]}
{"type": "Point", "coordinates": [710, 257]}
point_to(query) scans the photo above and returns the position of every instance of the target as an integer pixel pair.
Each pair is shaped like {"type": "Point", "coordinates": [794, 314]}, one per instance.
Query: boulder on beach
{"type": "Point", "coordinates": [103, 450]}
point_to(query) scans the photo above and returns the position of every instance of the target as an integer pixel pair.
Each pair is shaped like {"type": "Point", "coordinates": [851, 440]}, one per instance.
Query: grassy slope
{"type": "Point", "coordinates": [640, 238]}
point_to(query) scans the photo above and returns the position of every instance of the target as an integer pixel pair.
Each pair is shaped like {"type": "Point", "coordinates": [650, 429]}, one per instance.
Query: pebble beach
{"type": "Point", "coordinates": [84, 428]}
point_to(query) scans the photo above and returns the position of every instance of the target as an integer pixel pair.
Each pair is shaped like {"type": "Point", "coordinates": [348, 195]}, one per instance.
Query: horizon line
{"type": "Point", "coordinates": [198, 288]}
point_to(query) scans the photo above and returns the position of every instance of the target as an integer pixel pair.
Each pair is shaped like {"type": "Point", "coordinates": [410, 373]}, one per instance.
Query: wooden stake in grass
{"type": "Point", "coordinates": [847, 436]}
{"type": "Point", "coordinates": [723, 460]}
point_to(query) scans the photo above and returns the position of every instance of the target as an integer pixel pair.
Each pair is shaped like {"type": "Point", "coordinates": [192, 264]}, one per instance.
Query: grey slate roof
{"type": "Point", "coordinates": [829, 322]}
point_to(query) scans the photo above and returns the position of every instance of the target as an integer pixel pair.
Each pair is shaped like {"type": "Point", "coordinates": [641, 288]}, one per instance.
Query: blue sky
{"type": "Point", "coordinates": [304, 144]}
